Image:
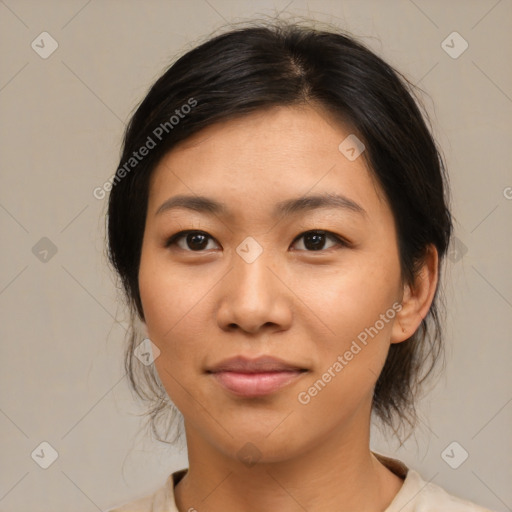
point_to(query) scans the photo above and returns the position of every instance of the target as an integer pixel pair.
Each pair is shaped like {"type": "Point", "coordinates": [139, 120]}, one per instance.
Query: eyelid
{"type": "Point", "coordinates": [180, 234]}
{"type": "Point", "coordinates": [340, 241]}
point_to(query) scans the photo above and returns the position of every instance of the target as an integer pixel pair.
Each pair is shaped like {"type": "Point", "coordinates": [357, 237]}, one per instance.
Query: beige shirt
{"type": "Point", "coordinates": [415, 495]}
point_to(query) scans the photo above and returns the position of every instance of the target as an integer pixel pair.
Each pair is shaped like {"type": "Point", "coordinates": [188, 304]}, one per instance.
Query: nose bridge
{"type": "Point", "coordinates": [253, 296]}
{"type": "Point", "coordinates": [251, 275]}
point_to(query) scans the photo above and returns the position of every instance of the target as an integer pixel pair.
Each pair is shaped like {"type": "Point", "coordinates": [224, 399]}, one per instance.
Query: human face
{"type": "Point", "coordinates": [210, 298]}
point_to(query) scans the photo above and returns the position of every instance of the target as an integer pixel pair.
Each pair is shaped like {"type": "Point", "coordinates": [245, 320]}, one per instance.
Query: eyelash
{"type": "Point", "coordinates": [339, 240]}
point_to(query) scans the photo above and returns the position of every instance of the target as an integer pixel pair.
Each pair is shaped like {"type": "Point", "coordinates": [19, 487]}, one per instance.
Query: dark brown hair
{"type": "Point", "coordinates": [279, 64]}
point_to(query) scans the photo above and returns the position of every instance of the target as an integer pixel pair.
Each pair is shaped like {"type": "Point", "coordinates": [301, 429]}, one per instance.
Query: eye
{"type": "Point", "coordinates": [196, 241]}
{"type": "Point", "coordinates": [315, 240]}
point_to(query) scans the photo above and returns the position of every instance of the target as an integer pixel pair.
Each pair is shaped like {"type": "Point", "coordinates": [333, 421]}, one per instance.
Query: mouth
{"type": "Point", "coordinates": [252, 385]}
{"type": "Point", "coordinates": [251, 378]}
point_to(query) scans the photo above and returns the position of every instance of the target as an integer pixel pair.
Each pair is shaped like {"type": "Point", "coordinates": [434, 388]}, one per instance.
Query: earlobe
{"type": "Point", "coordinates": [417, 298]}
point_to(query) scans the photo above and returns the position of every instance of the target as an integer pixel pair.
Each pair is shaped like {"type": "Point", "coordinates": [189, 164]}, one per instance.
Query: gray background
{"type": "Point", "coordinates": [61, 376]}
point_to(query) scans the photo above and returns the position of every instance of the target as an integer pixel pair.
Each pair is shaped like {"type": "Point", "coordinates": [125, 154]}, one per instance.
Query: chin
{"type": "Point", "coordinates": [256, 446]}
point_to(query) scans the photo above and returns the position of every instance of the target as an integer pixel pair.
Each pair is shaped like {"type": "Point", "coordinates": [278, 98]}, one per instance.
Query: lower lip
{"type": "Point", "coordinates": [255, 384]}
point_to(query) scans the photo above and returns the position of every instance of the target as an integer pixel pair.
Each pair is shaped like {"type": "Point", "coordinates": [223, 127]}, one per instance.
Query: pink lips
{"type": "Point", "coordinates": [254, 377]}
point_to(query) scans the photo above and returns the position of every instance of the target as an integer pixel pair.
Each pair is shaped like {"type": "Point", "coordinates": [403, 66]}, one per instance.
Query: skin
{"type": "Point", "coordinates": [298, 304]}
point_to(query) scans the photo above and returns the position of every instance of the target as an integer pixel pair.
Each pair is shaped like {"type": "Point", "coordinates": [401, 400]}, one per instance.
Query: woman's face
{"type": "Point", "coordinates": [256, 282]}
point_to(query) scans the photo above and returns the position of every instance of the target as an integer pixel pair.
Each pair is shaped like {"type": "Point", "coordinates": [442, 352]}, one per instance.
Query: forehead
{"type": "Point", "coordinates": [262, 158]}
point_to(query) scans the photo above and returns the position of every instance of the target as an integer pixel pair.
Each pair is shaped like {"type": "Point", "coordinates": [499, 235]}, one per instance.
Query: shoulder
{"type": "Point", "coordinates": [417, 495]}
{"type": "Point", "coordinates": [162, 500]}
{"type": "Point", "coordinates": [141, 505]}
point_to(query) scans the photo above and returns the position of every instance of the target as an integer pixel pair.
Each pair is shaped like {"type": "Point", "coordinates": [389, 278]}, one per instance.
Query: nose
{"type": "Point", "coordinates": [254, 297]}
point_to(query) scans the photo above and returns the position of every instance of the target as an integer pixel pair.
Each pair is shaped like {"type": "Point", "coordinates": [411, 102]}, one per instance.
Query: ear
{"type": "Point", "coordinates": [417, 298]}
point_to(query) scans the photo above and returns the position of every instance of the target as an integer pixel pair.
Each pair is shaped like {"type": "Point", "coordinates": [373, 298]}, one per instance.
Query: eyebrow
{"type": "Point", "coordinates": [207, 205]}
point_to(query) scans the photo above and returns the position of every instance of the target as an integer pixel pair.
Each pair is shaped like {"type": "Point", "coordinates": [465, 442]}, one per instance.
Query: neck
{"type": "Point", "coordinates": [339, 474]}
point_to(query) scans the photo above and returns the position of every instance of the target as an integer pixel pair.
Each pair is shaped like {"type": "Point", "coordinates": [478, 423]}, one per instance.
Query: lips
{"type": "Point", "coordinates": [261, 364]}
{"type": "Point", "coordinates": [258, 377]}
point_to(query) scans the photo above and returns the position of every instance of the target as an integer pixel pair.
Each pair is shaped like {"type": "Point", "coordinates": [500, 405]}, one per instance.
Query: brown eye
{"type": "Point", "coordinates": [190, 241]}
{"type": "Point", "coordinates": [316, 240]}
{"type": "Point", "coordinates": [196, 241]}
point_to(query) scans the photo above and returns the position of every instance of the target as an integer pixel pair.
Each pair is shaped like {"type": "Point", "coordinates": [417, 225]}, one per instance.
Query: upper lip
{"type": "Point", "coordinates": [240, 364]}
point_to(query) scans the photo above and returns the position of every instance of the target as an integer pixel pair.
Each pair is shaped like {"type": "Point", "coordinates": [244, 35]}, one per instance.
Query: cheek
{"type": "Point", "coordinates": [355, 310]}
{"type": "Point", "coordinates": [352, 297]}
{"type": "Point", "coordinates": [348, 368]}
{"type": "Point", "coordinates": [168, 295]}
{"type": "Point", "coordinates": [175, 323]}
{"type": "Point", "coordinates": [168, 304]}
